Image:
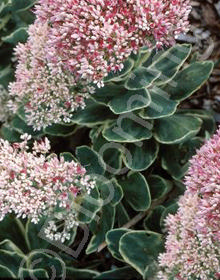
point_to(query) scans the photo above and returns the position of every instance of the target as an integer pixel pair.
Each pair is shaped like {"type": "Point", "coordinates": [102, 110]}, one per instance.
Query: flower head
{"type": "Point", "coordinates": [34, 184]}
{"type": "Point", "coordinates": [50, 94]}
{"type": "Point", "coordinates": [93, 37]}
{"type": "Point", "coordinates": [193, 241]}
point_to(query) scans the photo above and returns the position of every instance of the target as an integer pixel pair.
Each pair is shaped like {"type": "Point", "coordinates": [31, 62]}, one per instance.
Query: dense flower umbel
{"type": "Point", "coordinates": [204, 178]}
{"type": "Point", "coordinates": [193, 241]}
{"type": "Point", "coordinates": [92, 37]}
{"type": "Point", "coordinates": [33, 185]}
{"type": "Point", "coordinates": [50, 93]}
{"type": "Point", "coordinates": [74, 44]}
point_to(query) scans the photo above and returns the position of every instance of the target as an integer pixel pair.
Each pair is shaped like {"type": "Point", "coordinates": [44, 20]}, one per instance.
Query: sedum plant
{"type": "Point", "coordinates": [133, 136]}
{"type": "Point", "coordinates": [68, 53]}
{"type": "Point", "coordinates": [135, 123]}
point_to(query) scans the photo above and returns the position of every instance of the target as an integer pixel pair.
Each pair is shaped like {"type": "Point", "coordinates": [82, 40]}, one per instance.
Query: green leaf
{"type": "Point", "coordinates": [126, 272]}
{"type": "Point", "coordinates": [170, 62]}
{"type": "Point", "coordinates": [159, 187]}
{"type": "Point", "coordinates": [144, 54]}
{"type": "Point", "coordinates": [19, 35]}
{"type": "Point", "coordinates": [154, 55]}
{"type": "Point", "coordinates": [151, 271]}
{"type": "Point", "coordinates": [5, 272]}
{"type": "Point", "coordinates": [189, 80]}
{"type": "Point", "coordinates": [62, 130]}
{"type": "Point", "coordinates": [170, 209]}
{"type": "Point", "coordinates": [68, 157]}
{"type": "Point", "coordinates": [112, 239]}
{"type": "Point", "coordinates": [11, 260]}
{"type": "Point", "coordinates": [121, 216]}
{"type": "Point", "coordinates": [92, 114]}
{"type": "Point", "coordinates": [161, 105]}
{"type": "Point", "coordinates": [21, 113]}
{"type": "Point", "coordinates": [130, 101]}
{"type": "Point", "coordinates": [18, 6]}
{"type": "Point", "coordinates": [39, 273]}
{"type": "Point", "coordinates": [16, 233]}
{"type": "Point", "coordinates": [136, 191]}
{"type": "Point", "coordinates": [76, 273]}
{"type": "Point", "coordinates": [207, 117]}
{"type": "Point", "coordinates": [141, 78]}
{"type": "Point", "coordinates": [140, 248]}
{"type": "Point", "coordinates": [136, 57]}
{"type": "Point", "coordinates": [23, 18]}
{"type": "Point", "coordinates": [178, 164]}
{"type": "Point", "coordinates": [152, 221]}
{"type": "Point", "coordinates": [109, 151]}
{"type": "Point", "coordinates": [10, 134]}
{"type": "Point", "coordinates": [91, 160]}
{"type": "Point", "coordinates": [6, 76]}
{"type": "Point", "coordinates": [32, 235]}
{"type": "Point", "coordinates": [119, 75]}
{"type": "Point", "coordinates": [8, 245]}
{"type": "Point", "coordinates": [105, 94]}
{"type": "Point", "coordinates": [128, 128]}
{"type": "Point", "coordinates": [179, 188]}
{"type": "Point", "coordinates": [110, 191]}
{"type": "Point", "coordinates": [106, 222]}
{"type": "Point", "coordinates": [176, 129]}
{"type": "Point", "coordinates": [88, 206]}
{"type": "Point", "coordinates": [139, 156]}
{"type": "Point", "coordinates": [54, 265]}
{"type": "Point", "coordinates": [4, 20]}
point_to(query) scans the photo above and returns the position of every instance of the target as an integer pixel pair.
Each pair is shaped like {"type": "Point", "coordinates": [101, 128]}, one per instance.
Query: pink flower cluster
{"type": "Point", "coordinates": [74, 44]}
{"type": "Point", "coordinates": [34, 184]}
{"type": "Point", "coordinates": [49, 93]}
{"type": "Point", "coordinates": [193, 241]}
{"type": "Point", "coordinates": [93, 37]}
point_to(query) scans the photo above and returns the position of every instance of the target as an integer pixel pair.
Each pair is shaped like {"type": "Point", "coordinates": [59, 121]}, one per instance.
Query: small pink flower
{"type": "Point", "coordinates": [80, 170]}
{"type": "Point", "coordinates": [74, 190]}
